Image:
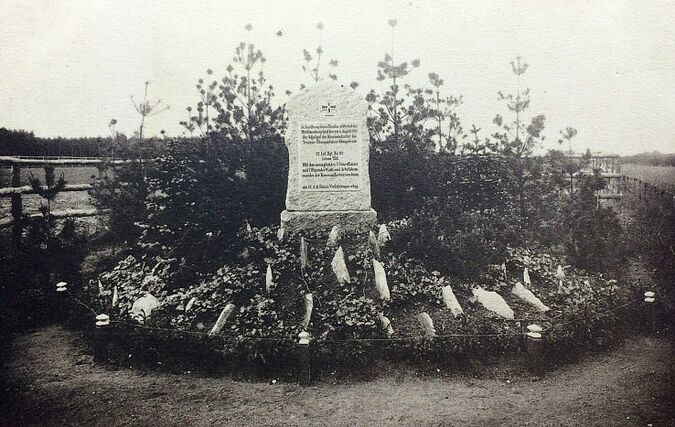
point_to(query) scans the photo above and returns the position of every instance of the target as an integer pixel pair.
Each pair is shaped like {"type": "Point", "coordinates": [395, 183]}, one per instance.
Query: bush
{"type": "Point", "coordinates": [201, 194]}
{"type": "Point", "coordinates": [30, 272]}
{"type": "Point", "coordinates": [401, 180]}
{"type": "Point", "coordinates": [453, 241]}
{"type": "Point", "coordinates": [594, 236]}
{"type": "Point", "coordinates": [123, 198]}
{"type": "Point", "coordinates": [650, 234]}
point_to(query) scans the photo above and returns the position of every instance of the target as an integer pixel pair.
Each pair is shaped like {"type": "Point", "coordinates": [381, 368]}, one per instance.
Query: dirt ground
{"type": "Point", "coordinates": [49, 379]}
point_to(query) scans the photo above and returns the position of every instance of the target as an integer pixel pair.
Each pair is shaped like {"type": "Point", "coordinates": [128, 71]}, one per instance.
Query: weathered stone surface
{"type": "Point", "coordinates": [493, 301]}
{"type": "Point", "coordinates": [339, 266]}
{"type": "Point", "coordinates": [427, 324]}
{"type": "Point", "coordinates": [381, 280]}
{"type": "Point", "coordinates": [142, 307]}
{"type": "Point", "coordinates": [322, 221]}
{"type": "Point", "coordinates": [451, 302]}
{"type": "Point", "coordinates": [328, 149]}
{"type": "Point", "coordinates": [526, 295]}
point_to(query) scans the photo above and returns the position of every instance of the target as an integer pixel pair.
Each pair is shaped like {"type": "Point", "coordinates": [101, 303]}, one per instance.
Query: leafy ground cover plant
{"type": "Point", "coordinates": [268, 315]}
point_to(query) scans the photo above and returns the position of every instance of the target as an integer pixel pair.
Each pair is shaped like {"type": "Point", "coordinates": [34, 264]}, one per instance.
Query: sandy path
{"type": "Point", "coordinates": [49, 379]}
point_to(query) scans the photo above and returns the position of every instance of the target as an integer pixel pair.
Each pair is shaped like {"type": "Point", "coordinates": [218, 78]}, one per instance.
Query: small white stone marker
{"type": "Point", "coordinates": [268, 279]}
{"type": "Point", "coordinates": [309, 306]}
{"type": "Point", "coordinates": [386, 324]}
{"type": "Point", "coordinates": [190, 303]}
{"type": "Point", "coordinates": [229, 308]}
{"type": "Point", "coordinates": [427, 324]}
{"type": "Point", "coordinates": [493, 301]}
{"type": "Point", "coordinates": [526, 295]}
{"type": "Point", "coordinates": [143, 306]}
{"type": "Point", "coordinates": [333, 237]}
{"type": "Point", "coordinates": [381, 280]}
{"type": "Point", "coordinates": [374, 244]}
{"type": "Point", "coordinates": [115, 297]}
{"type": "Point", "coordinates": [304, 257]}
{"type": "Point", "coordinates": [339, 266]}
{"type": "Point", "coordinates": [526, 276]}
{"type": "Point", "coordinates": [451, 302]}
{"type": "Point", "coordinates": [383, 236]}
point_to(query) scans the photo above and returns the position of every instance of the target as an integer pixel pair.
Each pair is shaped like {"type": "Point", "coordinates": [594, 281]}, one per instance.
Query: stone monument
{"type": "Point", "coordinates": [328, 151]}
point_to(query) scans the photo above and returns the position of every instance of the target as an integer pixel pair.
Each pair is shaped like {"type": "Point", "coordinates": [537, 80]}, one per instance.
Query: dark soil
{"type": "Point", "coordinates": [48, 378]}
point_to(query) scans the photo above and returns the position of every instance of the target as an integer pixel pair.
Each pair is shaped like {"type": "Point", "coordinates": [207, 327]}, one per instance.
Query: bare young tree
{"type": "Point", "coordinates": [241, 100]}
{"type": "Point", "coordinates": [443, 108]}
{"type": "Point", "coordinates": [515, 140]}
{"type": "Point", "coordinates": [572, 165]}
{"type": "Point", "coordinates": [312, 68]}
{"type": "Point", "coordinates": [146, 109]}
{"type": "Point", "coordinates": [567, 135]}
{"type": "Point", "coordinates": [388, 114]}
{"type": "Point", "coordinates": [519, 140]}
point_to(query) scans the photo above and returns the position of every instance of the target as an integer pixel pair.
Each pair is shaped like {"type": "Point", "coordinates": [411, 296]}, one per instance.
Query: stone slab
{"type": "Point", "coordinates": [328, 149]}
{"type": "Point", "coordinates": [354, 221]}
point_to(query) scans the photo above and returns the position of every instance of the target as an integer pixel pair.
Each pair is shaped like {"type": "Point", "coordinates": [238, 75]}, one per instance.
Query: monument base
{"type": "Point", "coordinates": [322, 221]}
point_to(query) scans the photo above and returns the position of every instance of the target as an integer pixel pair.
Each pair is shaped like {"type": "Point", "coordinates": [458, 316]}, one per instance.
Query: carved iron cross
{"type": "Point", "coordinates": [329, 108]}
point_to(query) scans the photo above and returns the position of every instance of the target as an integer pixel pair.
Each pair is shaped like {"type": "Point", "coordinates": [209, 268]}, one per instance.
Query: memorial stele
{"type": "Point", "coordinates": [328, 153]}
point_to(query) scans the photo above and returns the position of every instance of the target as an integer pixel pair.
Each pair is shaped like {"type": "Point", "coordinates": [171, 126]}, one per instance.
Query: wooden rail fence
{"type": "Point", "coordinates": [16, 191]}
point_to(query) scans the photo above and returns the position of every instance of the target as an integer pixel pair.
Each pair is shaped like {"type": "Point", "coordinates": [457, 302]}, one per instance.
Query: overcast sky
{"type": "Point", "coordinates": [606, 68]}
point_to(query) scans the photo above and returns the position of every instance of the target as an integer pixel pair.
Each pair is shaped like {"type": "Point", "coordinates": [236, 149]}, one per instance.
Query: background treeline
{"type": "Point", "coordinates": [24, 143]}
{"type": "Point", "coordinates": [654, 158]}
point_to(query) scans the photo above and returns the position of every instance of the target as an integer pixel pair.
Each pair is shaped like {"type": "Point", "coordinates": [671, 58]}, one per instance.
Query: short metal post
{"type": "Point", "coordinates": [101, 338]}
{"type": "Point", "coordinates": [304, 370]}
{"type": "Point", "coordinates": [535, 346]}
{"type": "Point", "coordinates": [650, 301]}
{"type": "Point", "coordinates": [523, 338]}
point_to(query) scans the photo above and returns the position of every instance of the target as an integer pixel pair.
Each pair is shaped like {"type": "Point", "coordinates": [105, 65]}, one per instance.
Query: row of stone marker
{"type": "Point", "coordinates": [491, 300]}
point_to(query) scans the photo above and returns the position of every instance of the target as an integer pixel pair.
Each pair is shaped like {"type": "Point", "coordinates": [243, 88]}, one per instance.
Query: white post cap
{"type": "Point", "coordinates": [534, 328]}
{"type": "Point", "coordinates": [304, 338]}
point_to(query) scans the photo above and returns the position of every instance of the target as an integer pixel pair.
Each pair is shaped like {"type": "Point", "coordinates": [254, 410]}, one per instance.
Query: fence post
{"type": "Point", "coordinates": [17, 205]}
{"type": "Point", "coordinates": [650, 300]}
{"type": "Point", "coordinates": [101, 336]}
{"type": "Point", "coordinates": [304, 359]}
{"type": "Point", "coordinates": [523, 337]}
{"type": "Point", "coordinates": [535, 346]}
